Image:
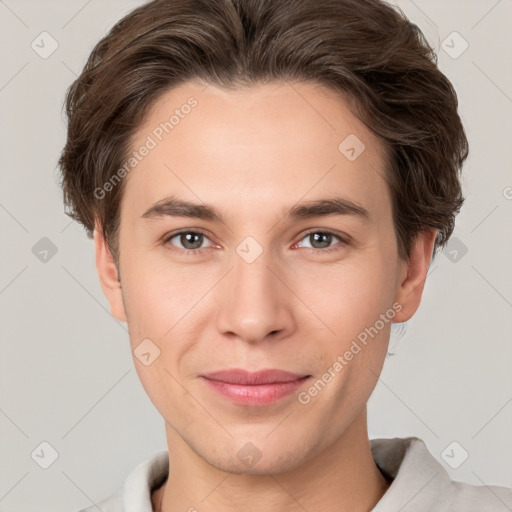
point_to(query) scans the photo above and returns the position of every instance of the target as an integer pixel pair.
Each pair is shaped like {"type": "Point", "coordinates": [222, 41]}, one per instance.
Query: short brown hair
{"type": "Point", "coordinates": [365, 49]}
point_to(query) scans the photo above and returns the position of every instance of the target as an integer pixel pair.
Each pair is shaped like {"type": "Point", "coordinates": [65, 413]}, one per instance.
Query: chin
{"type": "Point", "coordinates": [273, 465]}
{"type": "Point", "coordinates": [256, 458]}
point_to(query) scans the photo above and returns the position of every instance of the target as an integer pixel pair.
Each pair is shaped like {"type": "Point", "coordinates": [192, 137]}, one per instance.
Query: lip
{"type": "Point", "coordinates": [263, 387]}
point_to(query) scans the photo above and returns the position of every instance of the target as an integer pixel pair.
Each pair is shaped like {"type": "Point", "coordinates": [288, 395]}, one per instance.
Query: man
{"type": "Point", "coordinates": [267, 182]}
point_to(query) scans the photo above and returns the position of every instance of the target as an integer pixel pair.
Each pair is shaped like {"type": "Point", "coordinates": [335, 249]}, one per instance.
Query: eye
{"type": "Point", "coordinates": [191, 241]}
{"type": "Point", "coordinates": [323, 239]}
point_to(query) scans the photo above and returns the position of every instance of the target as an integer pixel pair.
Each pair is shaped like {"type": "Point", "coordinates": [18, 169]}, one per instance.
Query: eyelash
{"type": "Point", "coordinates": [191, 252]}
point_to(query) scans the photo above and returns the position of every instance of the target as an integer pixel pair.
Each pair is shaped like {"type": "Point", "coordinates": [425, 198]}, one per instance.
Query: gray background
{"type": "Point", "coordinates": [66, 373]}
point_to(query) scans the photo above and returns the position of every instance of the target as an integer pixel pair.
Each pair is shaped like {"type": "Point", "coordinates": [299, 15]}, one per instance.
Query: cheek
{"type": "Point", "coordinates": [348, 297]}
{"type": "Point", "coordinates": [165, 300]}
{"type": "Point", "coordinates": [157, 295]}
{"type": "Point", "coordinates": [159, 303]}
{"type": "Point", "coordinates": [166, 303]}
{"type": "Point", "coordinates": [355, 302]}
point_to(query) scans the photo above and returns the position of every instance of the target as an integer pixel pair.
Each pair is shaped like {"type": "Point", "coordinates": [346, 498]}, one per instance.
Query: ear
{"type": "Point", "coordinates": [413, 274]}
{"type": "Point", "coordinates": [108, 274]}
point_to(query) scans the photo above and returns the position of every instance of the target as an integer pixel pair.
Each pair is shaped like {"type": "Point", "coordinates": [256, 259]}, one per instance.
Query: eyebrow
{"type": "Point", "coordinates": [174, 207]}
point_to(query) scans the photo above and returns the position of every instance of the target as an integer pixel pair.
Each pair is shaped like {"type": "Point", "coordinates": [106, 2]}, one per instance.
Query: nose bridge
{"type": "Point", "coordinates": [252, 304]}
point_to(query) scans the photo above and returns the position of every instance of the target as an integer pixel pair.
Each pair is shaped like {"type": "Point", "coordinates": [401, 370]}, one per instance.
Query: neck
{"type": "Point", "coordinates": [342, 478]}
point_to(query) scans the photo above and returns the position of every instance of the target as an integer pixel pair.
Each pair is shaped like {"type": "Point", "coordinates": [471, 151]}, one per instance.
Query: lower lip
{"type": "Point", "coordinates": [263, 394]}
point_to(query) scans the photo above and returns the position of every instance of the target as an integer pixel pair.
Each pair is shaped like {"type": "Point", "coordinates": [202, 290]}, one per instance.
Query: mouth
{"type": "Point", "coordinates": [259, 388]}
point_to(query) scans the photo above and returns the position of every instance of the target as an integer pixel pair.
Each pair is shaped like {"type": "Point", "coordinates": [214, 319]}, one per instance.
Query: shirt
{"type": "Point", "coordinates": [419, 483]}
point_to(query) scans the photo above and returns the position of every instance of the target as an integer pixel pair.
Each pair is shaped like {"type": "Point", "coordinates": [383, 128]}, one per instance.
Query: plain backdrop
{"type": "Point", "coordinates": [67, 377]}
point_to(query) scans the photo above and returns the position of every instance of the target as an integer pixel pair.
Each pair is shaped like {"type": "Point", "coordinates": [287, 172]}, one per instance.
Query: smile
{"type": "Point", "coordinates": [254, 388]}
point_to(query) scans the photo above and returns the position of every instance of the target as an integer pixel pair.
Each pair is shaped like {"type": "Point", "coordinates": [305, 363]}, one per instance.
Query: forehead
{"type": "Point", "coordinates": [296, 139]}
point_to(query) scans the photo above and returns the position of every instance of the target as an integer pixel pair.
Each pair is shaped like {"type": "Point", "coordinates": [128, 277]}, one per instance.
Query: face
{"type": "Point", "coordinates": [283, 258]}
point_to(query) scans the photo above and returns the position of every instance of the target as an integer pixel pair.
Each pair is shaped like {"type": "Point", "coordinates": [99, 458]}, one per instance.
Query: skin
{"type": "Point", "coordinates": [252, 153]}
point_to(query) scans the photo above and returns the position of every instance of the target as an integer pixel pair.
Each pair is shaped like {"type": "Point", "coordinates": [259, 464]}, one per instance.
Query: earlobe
{"type": "Point", "coordinates": [108, 275]}
{"type": "Point", "coordinates": [413, 275]}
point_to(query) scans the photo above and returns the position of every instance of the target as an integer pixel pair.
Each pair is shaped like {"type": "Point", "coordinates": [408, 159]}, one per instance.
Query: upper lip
{"type": "Point", "coordinates": [244, 377]}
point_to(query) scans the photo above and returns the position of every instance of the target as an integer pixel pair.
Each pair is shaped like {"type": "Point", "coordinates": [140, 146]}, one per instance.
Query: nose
{"type": "Point", "coordinates": [254, 302]}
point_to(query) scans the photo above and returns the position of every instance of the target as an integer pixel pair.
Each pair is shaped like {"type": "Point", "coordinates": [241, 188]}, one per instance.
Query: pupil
{"type": "Point", "coordinates": [326, 242]}
{"type": "Point", "coordinates": [186, 239]}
